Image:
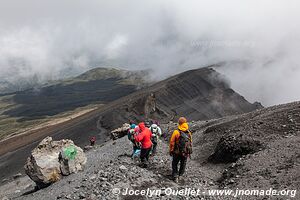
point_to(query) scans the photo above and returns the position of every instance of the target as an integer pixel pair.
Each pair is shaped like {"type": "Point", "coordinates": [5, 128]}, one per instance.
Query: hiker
{"type": "Point", "coordinates": [136, 145]}
{"type": "Point", "coordinates": [180, 148]}
{"type": "Point", "coordinates": [93, 140]}
{"type": "Point", "coordinates": [148, 124]}
{"type": "Point", "coordinates": [144, 137]}
{"type": "Point", "coordinates": [156, 133]}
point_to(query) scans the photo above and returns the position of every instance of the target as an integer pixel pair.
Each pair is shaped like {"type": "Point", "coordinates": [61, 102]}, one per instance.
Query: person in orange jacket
{"type": "Point", "coordinates": [144, 137]}
{"type": "Point", "coordinates": [180, 148]}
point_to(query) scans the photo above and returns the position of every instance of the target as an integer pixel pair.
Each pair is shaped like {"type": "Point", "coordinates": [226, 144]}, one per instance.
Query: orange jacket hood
{"type": "Point", "coordinates": [183, 127]}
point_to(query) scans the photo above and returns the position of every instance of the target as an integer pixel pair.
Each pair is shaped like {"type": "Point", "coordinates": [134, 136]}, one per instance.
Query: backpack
{"type": "Point", "coordinates": [154, 131]}
{"type": "Point", "coordinates": [185, 143]}
{"type": "Point", "coordinates": [130, 135]}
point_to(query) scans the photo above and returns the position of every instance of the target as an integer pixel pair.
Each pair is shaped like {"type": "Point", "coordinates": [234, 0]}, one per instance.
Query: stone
{"type": "Point", "coordinates": [60, 196]}
{"type": "Point", "coordinates": [81, 195]}
{"type": "Point", "coordinates": [51, 160]}
{"type": "Point", "coordinates": [93, 177]}
{"type": "Point", "coordinates": [4, 180]}
{"type": "Point", "coordinates": [231, 181]}
{"type": "Point", "coordinates": [18, 175]}
{"type": "Point", "coordinates": [87, 148]}
{"type": "Point", "coordinates": [120, 132]}
{"type": "Point", "coordinates": [122, 168]}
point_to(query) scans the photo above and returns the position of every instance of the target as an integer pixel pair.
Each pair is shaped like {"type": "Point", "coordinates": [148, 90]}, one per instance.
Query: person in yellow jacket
{"type": "Point", "coordinates": [180, 148]}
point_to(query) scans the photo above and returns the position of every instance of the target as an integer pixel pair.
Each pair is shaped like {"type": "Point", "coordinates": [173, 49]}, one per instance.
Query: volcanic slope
{"type": "Point", "coordinates": [257, 150]}
{"type": "Point", "coordinates": [198, 94]}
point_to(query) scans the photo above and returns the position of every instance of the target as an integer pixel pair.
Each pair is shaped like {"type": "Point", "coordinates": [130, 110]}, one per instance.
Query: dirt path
{"type": "Point", "coordinates": [28, 135]}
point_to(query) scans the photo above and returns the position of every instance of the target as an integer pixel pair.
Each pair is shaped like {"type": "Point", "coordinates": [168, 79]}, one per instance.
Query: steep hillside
{"type": "Point", "coordinates": [263, 147]}
{"type": "Point", "coordinates": [198, 94]}
{"type": "Point", "coordinates": [225, 157]}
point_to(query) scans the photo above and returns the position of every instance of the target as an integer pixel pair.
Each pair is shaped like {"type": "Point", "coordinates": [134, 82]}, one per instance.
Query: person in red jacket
{"type": "Point", "coordinates": [93, 140]}
{"type": "Point", "coordinates": [144, 137]}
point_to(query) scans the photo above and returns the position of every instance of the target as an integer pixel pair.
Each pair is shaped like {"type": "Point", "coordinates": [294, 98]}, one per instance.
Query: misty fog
{"type": "Point", "coordinates": [257, 41]}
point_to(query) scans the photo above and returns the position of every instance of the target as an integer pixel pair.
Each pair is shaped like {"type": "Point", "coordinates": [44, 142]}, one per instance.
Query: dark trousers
{"type": "Point", "coordinates": [145, 153]}
{"type": "Point", "coordinates": [154, 146]}
{"type": "Point", "coordinates": [178, 159]}
{"type": "Point", "coordinates": [135, 148]}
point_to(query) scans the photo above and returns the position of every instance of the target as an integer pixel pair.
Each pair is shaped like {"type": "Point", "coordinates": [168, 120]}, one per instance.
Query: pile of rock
{"type": "Point", "coordinates": [230, 148]}
{"type": "Point", "coordinates": [51, 160]}
{"type": "Point", "coordinates": [120, 132]}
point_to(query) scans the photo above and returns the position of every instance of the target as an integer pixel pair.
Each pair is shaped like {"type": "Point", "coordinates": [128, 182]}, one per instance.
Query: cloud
{"type": "Point", "coordinates": [257, 39]}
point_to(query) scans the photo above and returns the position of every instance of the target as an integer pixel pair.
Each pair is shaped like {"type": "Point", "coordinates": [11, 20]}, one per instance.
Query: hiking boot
{"type": "Point", "coordinates": [181, 179]}
{"type": "Point", "coordinates": [175, 179]}
{"type": "Point", "coordinates": [143, 165]}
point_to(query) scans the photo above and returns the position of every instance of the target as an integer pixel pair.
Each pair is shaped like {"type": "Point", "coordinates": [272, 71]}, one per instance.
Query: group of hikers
{"type": "Point", "coordinates": [145, 137]}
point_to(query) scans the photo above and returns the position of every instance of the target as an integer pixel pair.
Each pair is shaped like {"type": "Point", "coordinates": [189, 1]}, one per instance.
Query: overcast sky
{"type": "Point", "coordinates": [258, 39]}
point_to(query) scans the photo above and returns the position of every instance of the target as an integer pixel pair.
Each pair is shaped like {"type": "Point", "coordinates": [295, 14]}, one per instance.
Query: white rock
{"type": "Point", "coordinates": [48, 161]}
{"type": "Point", "coordinates": [123, 168]}
{"type": "Point", "coordinates": [93, 177]}
{"type": "Point", "coordinates": [18, 175]}
{"type": "Point", "coordinates": [120, 132]}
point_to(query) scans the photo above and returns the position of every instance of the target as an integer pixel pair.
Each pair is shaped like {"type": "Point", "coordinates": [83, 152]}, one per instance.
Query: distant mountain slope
{"type": "Point", "coordinates": [11, 86]}
{"type": "Point", "coordinates": [198, 94]}
{"type": "Point", "coordinates": [100, 85]}
{"type": "Point", "coordinates": [125, 76]}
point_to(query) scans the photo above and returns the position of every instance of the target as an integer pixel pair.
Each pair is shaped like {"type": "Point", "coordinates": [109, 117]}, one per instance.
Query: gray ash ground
{"type": "Point", "coordinates": [109, 166]}
{"type": "Point", "coordinates": [262, 152]}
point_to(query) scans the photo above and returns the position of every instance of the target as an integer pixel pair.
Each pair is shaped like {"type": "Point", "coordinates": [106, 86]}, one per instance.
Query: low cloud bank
{"type": "Point", "coordinates": [258, 40]}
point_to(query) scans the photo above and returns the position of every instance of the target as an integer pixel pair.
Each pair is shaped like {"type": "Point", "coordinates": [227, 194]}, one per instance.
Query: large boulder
{"type": "Point", "coordinates": [230, 148]}
{"type": "Point", "coordinates": [51, 160]}
{"type": "Point", "coordinates": [120, 132]}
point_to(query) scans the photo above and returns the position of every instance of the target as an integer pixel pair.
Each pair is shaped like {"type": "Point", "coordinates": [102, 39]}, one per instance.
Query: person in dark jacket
{"type": "Point", "coordinates": [136, 145]}
{"type": "Point", "coordinates": [144, 137]}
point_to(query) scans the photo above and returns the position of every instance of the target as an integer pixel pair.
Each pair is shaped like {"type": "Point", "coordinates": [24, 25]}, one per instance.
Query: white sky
{"type": "Point", "coordinates": [52, 38]}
